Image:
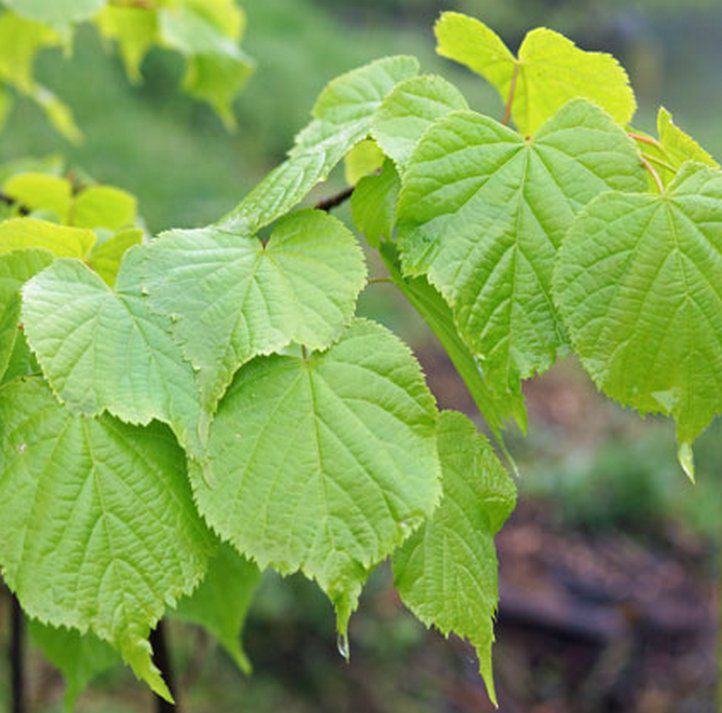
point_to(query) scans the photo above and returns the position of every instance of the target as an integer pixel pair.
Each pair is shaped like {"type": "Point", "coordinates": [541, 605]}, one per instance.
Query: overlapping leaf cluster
{"type": "Point", "coordinates": [206, 33]}
{"type": "Point", "coordinates": [214, 384]}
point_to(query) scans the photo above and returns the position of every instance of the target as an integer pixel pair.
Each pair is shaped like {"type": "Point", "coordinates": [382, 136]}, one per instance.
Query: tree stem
{"type": "Point", "coordinates": [336, 200]}
{"type": "Point", "coordinates": [510, 98]}
{"type": "Point", "coordinates": [161, 656]}
{"type": "Point", "coordinates": [653, 172]}
{"type": "Point", "coordinates": [16, 651]}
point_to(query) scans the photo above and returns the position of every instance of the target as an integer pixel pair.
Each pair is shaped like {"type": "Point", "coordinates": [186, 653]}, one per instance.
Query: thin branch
{"type": "Point", "coordinates": [16, 652]}
{"type": "Point", "coordinates": [512, 93]}
{"type": "Point", "coordinates": [161, 656]}
{"type": "Point", "coordinates": [645, 139]}
{"type": "Point", "coordinates": [334, 201]}
{"type": "Point", "coordinates": [380, 280]}
{"type": "Point", "coordinates": [653, 172]}
{"type": "Point", "coordinates": [659, 162]}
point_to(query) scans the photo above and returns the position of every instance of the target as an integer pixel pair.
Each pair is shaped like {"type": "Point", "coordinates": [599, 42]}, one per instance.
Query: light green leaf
{"type": "Point", "coordinates": [362, 160]}
{"type": "Point", "coordinates": [342, 117]}
{"type": "Point", "coordinates": [15, 269]}
{"type": "Point", "coordinates": [221, 602]}
{"type": "Point", "coordinates": [20, 41]}
{"type": "Point", "coordinates": [57, 113]}
{"type": "Point", "coordinates": [496, 404]}
{"type": "Point", "coordinates": [232, 297]}
{"type": "Point", "coordinates": [549, 71]}
{"type": "Point", "coordinates": [104, 207]}
{"type": "Point", "coordinates": [24, 233]}
{"type": "Point", "coordinates": [135, 30]}
{"type": "Point", "coordinates": [373, 204]}
{"type": "Point", "coordinates": [40, 191]}
{"type": "Point", "coordinates": [678, 145]}
{"type": "Point", "coordinates": [217, 68]}
{"type": "Point", "coordinates": [638, 284]}
{"type": "Point", "coordinates": [447, 571]}
{"type": "Point", "coordinates": [323, 464]}
{"type": "Point", "coordinates": [97, 525]}
{"type": "Point", "coordinates": [106, 257]}
{"type": "Point", "coordinates": [79, 657]}
{"type": "Point", "coordinates": [409, 110]}
{"type": "Point", "coordinates": [482, 212]}
{"type": "Point", "coordinates": [57, 13]}
{"type": "Point", "coordinates": [107, 351]}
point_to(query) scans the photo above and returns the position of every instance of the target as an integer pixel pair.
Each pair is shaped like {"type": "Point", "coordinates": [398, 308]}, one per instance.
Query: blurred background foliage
{"type": "Point", "coordinates": [599, 475]}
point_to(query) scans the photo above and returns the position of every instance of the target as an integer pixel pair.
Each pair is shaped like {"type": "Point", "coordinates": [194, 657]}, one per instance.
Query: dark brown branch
{"type": "Point", "coordinates": [161, 657]}
{"type": "Point", "coordinates": [334, 201]}
{"type": "Point", "coordinates": [16, 652]}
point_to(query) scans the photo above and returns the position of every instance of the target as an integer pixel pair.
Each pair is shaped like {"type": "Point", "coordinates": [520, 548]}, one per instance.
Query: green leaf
{"type": "Point", "coordinates": [57, 113]}
{"type": "Point", "coordinates": [232, 297]}
{"type": "Point", "coordinates": [549, 71]}
{"type": "Point", "coordinates": [79, 657]}
{"type": "Point", "coordinates": [495, 404]}
{"type": "Point", "coordinates": [638, 284]}
{"type": "Point", "coordinates": [221, 602]}
{"type": "Point", "coordinates": [57, 13]}
{"type": "Point", "coordinates": [342, 117]}
{"type": "Point", "coordinates": [40, 191]}
{"type": "Point", "coordinates": [104, 207]}
{"type": "Point", "coordinates": [482, 212]}
{"type": "Point", "coordinates": [447, 572]}
{"type": "Point", "coordinates": [409, 110]}
{"type": "Point", "coordinates": [104, 350]}
{"type": "Point", "coordinates": [20, 41]}
{"type": "Point", "coordinates": [217, 68]}
{"type": "Point", "coordinates": [323, 464]}
{"type": "Point", "coordinates": [679, 146]}
{"type": "Point", "coordinates": [15, 269]}
{"type": "Point", "coordinates": [24, 233]}
{"type": "Point", "coordinates": [135, 30]}
{"type": "Point", "coordinates": [106, 257]}
{"type": "Point", "coordinates": [362, 160]}
{"type": "Point", "coordinates": [373, 204]}
{"type": "Point", "coordinates": [97, 525]}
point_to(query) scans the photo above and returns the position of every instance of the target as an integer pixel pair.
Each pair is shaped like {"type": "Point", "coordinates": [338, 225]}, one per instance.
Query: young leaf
{"type": "Point", "coordinates": [15, 269]}
{"type": "Point", "coordinates": [482, 212]}
{"type": "Point", "coordinates": [25, 233]}
{"type": "Point", "coordinates": [104, 207]}
{"type": "Point", "coordinates": [232, 297]}
{"type": "Point", "coordinates": [677, 145]}
{"type": "Point", "coordinates": [446, 572]}
{"type": "Point", "coordinates": [79, 657]}
{"type": "Point", "coordinates": [638, 283]}
{"type": "Point", "coordinates": [97, 525]}
{"type": "Point", "coordinates": [549, 71]}
{"type": "Point", "coordinates": [221, 602]}
{"type": "Point", "coordinates": [135, 29]}
{"type": "Point", "coordinates": [410, 108]}
{"type": "Point", "coordinates": [343, 115]}
{"type": "Point", "coordinates": [106, 257]}
{"type": "Point", "coordinates": [373, 204]}
{"type": "Point", "coordinates": [104, 350]}
{"type": "Point", "coordinates": [217, 68]}
{"type": "Point", "coordinates": [362, 160]}
{"type": "Point", "coordinates": [40, 191]}
{"type": "Point", "coordinates": [323, 464]}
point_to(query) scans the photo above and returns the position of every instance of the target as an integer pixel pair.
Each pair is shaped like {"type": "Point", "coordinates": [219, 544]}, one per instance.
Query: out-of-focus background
{"type": "Point", "coordinates": [608, 567]}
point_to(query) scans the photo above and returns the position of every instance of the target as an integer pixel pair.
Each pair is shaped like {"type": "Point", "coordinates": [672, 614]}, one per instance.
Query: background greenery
{"type": "Point", "coordinates": [602, 469]}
